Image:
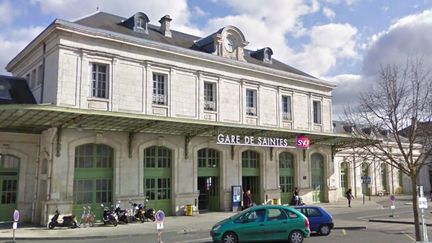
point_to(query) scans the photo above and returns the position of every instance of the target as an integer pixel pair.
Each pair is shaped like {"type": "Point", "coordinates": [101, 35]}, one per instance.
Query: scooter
{"type": "Point", "coordinates": [88, 217]}
{"type": "Point", "coordinates": [122, 214]}
{"type": "Point", "coordinates": [142, 213]}
{"type": "Point", "coordinates": [149, 213]}
{"type": "Point", "coordinates": [109, 217]}
{"type": "Point", "coordinates": [67, 221]}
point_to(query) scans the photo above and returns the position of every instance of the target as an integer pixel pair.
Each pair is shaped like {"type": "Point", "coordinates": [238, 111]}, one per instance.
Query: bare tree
{"type": "Point", "coordinates": [390, 119]}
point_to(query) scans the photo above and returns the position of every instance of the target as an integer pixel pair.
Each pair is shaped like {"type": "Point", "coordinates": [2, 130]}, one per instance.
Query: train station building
{"type": "Point", "coordinates": [109, 108]}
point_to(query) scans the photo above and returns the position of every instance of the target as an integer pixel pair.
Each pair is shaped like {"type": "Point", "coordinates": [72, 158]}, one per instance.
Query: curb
{"type": "Point", "coordinates": [350, 227]}
{"type": "Point", "coordinates": [394, 221]}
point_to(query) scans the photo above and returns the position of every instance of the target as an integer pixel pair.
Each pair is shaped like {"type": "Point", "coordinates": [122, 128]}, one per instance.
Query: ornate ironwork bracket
{"type": "Point", "coordinates": [271, 153]}
{"type": "Point", "coordinates": [304, 155]}
{"type": "Point", "coordinates": [232, 152]}
{"type": "Point", "coordinates": [58, 141]}
{"type": "Point", "coordinates": [130, 140]}
{"type": "Point", "coordinates": [186, 148]}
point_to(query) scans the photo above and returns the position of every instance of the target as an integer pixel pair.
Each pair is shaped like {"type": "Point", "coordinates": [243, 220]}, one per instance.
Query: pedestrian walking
{"type": "Point", "coordinates": [247, 199]}
{"type": "Point", "coordinates": [349, 196]}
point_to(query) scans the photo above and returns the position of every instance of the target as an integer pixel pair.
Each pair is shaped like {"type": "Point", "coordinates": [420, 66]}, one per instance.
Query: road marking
{"type": "Point", "coordinates": [195, 240]}
{"type": "Point", "coordinates": [343, 232]}
{"type": "Point", "coordinates": [409, 236]}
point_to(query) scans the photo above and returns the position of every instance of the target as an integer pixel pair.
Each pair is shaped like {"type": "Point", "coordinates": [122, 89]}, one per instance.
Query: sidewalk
{"type": "Point", "coordinates": [197, 222]}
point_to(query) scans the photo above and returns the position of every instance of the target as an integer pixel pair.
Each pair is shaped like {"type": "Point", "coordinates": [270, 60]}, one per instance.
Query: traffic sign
{"type": "Point", "coordinates": [16, 215]}
{"type": "Point", "coordinates": [160, 216]}
{"type": "Point", "coordinates": [392, 198]}
{"type": "Point", "coordinates": [423, 202]}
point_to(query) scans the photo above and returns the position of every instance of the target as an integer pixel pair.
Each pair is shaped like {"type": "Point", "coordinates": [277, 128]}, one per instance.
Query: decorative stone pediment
{"type": "Point", "coordinates": [227, 42]}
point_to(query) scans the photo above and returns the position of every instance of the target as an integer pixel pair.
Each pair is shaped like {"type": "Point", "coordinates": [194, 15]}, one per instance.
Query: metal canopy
{"type": "Point", "coordinates": [37, 118]}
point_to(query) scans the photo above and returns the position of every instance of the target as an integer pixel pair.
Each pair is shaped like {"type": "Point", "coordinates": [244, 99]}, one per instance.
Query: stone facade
{"type": "Point", "coordinates": [65, 53]}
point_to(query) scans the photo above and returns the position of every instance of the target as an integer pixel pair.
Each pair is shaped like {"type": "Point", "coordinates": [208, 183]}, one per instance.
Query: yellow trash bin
{"type": "Point", "coordinates": [276, 201]}
{"type": "Point", "coordinates": [189, 210]}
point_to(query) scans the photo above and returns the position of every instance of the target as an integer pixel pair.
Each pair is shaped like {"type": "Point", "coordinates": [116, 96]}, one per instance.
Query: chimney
{"type": "Point", "coordinates": [165, 25]}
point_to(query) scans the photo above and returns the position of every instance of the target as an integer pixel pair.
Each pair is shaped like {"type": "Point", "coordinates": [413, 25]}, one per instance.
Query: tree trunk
{"type": "Point", "coordinates": [415, 208]}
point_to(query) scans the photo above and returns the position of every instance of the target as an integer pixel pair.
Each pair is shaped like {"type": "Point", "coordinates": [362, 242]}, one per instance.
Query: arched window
{"type": "Point", "coordinates": [208, 158]}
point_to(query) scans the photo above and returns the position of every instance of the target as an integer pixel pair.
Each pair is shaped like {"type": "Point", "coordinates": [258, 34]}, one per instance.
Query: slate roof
{"type": "Point", "coordinates": [110, 22]}
{"type": "Point", "coordinates": [15, 91]}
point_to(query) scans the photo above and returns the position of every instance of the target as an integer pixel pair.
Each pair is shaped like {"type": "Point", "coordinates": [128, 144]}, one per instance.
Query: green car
{"type": "Point", "coordinates": [262, 223]}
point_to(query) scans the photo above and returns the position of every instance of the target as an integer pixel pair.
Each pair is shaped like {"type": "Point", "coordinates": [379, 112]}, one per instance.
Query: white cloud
{"type": "Point", "coordinates": [7, 13]}
{"type": "Point", "coordinates": [406, 37]}
{"type": "Point", "coordinates": [13, 41]}
{"type": "Point", "coordinates": [328, 44]}
{"type": "Point", "coordinates": [67, 9]}
{"type": "Point", "coordinates": [199, 11]}
{"type": "Point", "coordinates": [272, 25]}
{"type": "Point", "coordinates": [345, 93]}
{"type": "Point", "coordinates": [329, 13]}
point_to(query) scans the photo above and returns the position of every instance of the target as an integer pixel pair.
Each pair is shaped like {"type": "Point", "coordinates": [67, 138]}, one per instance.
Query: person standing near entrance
{"type": "Point", "coordinates": [247, 199]}
{"type": "Point", "coordinates": [295, 200]}
{"type": "Point", "coordinates": [349, 196]}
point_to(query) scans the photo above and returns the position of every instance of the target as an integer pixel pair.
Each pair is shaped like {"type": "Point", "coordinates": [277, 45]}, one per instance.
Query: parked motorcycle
{"type": "Point", "coordinates": [109, 217]}
{"type": "Point", "coordinates": [122, 214]}
{"type": "Point", "coordinates": [66, 221]}
{"type": "Point", "coordinates": [88, 217]}
{"type": "Point", "coordinates": [142, 213]}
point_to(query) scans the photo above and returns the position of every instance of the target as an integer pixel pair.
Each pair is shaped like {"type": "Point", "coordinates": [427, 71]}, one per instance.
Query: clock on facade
{"type": "Point", "coordinates": [229, 43]}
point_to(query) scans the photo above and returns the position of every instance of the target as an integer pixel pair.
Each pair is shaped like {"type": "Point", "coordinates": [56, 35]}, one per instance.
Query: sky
{"type": "Point", "coordinates": [341, 41]}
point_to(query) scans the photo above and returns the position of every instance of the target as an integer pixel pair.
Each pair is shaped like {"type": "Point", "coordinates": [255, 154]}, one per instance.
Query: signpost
{"type": "Point", "coordinates": [423, 204]}
{"type": "Point", "coordinates": [160, 216]}
{"type": "Point", "coordinates": [392, 207]}
{"type": "Point", "coordinates": [16, 216]}
{"type": "Point", "coordinates": [366, 180]}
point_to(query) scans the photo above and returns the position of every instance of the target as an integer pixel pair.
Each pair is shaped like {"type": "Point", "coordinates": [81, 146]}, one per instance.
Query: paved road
{"type": "Point", "coordinates": [196, 229]}
{"type": "Point", "coordinates": [337, 236]}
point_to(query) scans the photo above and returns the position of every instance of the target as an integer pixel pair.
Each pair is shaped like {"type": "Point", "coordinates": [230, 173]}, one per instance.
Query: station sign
{"type": "Point", "coordinates": [366, 179]}
{"type": "Point", "coordinates": [228, 139]}
{"type": "Point", "coordinates": [302, 141]}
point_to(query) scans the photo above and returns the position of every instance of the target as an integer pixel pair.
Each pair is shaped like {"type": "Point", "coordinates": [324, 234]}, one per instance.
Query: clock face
{"type": "Point", "coordinates": [229, 44]}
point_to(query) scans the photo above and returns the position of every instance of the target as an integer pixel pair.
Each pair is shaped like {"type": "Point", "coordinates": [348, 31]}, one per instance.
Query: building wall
{"type": "Point", "coordinates": [47, 169]}
{"type": "Point", "coordinates": [130, 86]}
{"type": "Point", "coordinates": [25, 147]}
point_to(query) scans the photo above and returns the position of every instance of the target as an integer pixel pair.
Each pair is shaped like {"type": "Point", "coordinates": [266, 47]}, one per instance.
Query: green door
{"type": "Point", "coordinates": [208, 179]}
{"type": "Point", "coordinates": [344, 177]}
{"type": "Point", "coordinates": [251, 174]}
{"type": "Point", "coordinates": [93, 178]}
{"type": "Point", "coordinates": [157, 178]}
{"type": "Point", "coordinates": [286, 176]}
{"type": "Point", "coordinates": [317, 164]}
{"type": "Point", "coordinates": [9, 168]}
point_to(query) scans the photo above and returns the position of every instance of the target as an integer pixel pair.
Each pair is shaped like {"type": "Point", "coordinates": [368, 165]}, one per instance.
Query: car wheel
{"type": "Point", "coordinates": [229, 237]}
{"type": "Point", "coordinates": [296, 237]}
{"type": "Point", "coordinates": [324, 230]}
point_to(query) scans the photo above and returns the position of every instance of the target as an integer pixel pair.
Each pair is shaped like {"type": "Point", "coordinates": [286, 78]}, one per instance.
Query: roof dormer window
{"type": "Point", "coordinates": [263, 54]}
{"type": "Point", "coordinates": [138, 22]}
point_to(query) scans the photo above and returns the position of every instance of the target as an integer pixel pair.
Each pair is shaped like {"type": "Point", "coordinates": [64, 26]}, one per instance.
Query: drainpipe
{"type": "Point", "coordinates": [49, 179]}
{"type": "Point", "coordinates": [43, 73]}
{"type": "Point", "coordinates": [36, 191]}
{"type": "Point", "coordinates": [355, 175]}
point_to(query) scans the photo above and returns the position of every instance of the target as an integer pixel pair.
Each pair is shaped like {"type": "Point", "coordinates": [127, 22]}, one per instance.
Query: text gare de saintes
{"type": "Point", "coordinates": [251, 140]}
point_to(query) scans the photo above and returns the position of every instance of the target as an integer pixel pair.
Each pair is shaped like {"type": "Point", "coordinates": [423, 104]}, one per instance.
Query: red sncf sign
{"type": "Point", "coordinates": [302, 141]}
